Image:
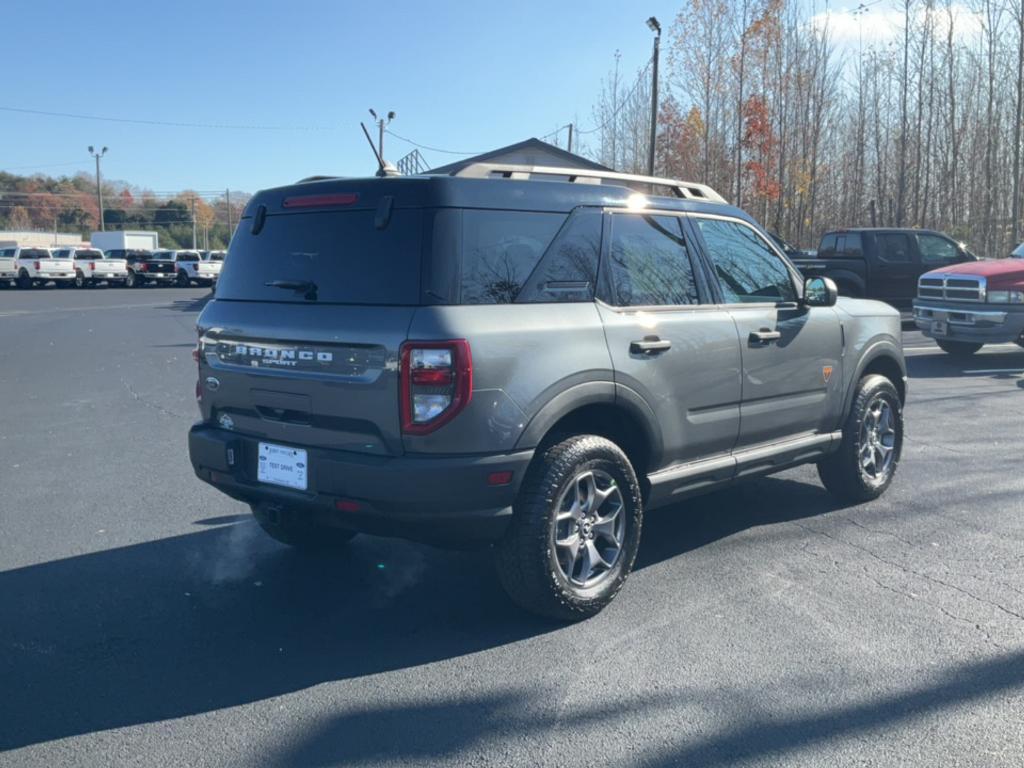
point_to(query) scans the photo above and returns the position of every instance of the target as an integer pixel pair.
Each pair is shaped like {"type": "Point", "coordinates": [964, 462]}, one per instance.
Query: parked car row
{"type": "Point", "coordinates": [959, 300]}
{"type": "Point", "coordinates": [85, 267]}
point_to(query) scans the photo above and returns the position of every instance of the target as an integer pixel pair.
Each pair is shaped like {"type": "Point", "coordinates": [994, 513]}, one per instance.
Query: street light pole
{"type": "Point", "coordinates": [99, 189]}
{"type": "Point", "coordinates": [381, 123]}
{"type": "Point", "coordinates": [656, 29]}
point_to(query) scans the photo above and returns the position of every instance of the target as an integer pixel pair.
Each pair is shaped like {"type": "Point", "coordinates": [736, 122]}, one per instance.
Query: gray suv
{"type": "Point", "coordinates": [528, 358]}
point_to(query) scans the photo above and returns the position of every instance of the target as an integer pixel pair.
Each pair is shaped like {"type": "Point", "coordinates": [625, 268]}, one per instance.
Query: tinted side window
{"type": "Point", "coordinates": [849, 245]}
{"type": "Point", "coordinates": [568, 271]}
{"type": "Point", "coordinates": [893, 247]}
{"type": "Point", "coordinates": [649, 263]}
{"type": "Point", "coordinates": [827, 247]}
{"type": "Point", "coordinates": [937, 250]}
{"type": "Point", "coordinates": [500, 250]}
{"type": "Point", "coordinates": [748, 270]}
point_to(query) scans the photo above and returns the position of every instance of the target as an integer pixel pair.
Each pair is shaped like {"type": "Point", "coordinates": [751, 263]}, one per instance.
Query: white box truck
{"type": "Point", "coordinates": [124, 239]}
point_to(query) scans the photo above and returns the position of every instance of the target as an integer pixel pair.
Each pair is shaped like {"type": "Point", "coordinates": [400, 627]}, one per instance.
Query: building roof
{"type": "Point", "coordinates": [529, 152]}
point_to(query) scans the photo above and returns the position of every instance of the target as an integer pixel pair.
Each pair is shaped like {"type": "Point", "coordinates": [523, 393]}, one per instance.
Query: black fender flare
{"type": "Point", "coordinates": [877, 349]}
{"type": "Point", "coordinates": [593, 393]}
{"type": "Point", "coordinates": [847, 277]}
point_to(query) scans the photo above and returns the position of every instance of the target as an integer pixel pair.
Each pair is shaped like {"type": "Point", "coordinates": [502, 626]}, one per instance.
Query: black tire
{"type": "Point", "coordinates": [527, 560]}
{"type": "Point", "coordinates": [958, 348]}
{"type": "Point", "coordinates": [843, 472]}
{"type": "Point", "coordinates": [182, 280]}
{"type": "Point", "coordinates": [131, 281]}
{"type": "Point", "coordinates": [295, 529]}
{"type": "Point", "coordinates": [80, 281]}
{"type": "Point", "coordinates": [24, 282]}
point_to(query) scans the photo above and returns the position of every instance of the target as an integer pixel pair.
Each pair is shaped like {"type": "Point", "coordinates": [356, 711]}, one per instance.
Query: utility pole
{"type": "Point", "coordinates": [570, 137]}
{"type": "Point", "coordinates": [381, 124]}
{"type": "Point", "coordinates": [227, 197]}
{"type": "Point", "coordinates": [655, 27]}
{"type": "Point", "coordinates": [99, 189]}
{"type": "Point", "coordinates": [193, 222]}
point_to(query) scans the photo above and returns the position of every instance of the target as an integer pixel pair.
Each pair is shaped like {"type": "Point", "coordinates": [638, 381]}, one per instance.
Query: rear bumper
{"type": "Point", "coordinates": [970, 322]}
{"type": "Point", "coordinates": [434, 499]}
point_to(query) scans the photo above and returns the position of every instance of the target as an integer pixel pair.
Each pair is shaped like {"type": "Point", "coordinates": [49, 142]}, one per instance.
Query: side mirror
{"type": "Point", "coordinates": [820, 292]}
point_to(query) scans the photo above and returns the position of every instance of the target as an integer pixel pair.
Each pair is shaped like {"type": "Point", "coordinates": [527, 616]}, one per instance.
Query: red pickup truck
{"type": "Point", "coordinates": [965, 306]}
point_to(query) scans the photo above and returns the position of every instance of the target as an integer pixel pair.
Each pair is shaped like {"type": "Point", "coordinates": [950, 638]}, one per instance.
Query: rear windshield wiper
{"type": "Point", "coordinates": [306, 287]}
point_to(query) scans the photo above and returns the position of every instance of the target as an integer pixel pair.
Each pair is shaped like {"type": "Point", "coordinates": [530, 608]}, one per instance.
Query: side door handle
{"type": "Point", "coordinates": [763, 337]}
{"type": "Point", "coordinates": [649, 345]}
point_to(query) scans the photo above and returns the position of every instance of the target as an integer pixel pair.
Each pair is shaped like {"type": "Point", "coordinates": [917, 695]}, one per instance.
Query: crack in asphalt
{"type": "Point", "coordinates": [911, 571]}
{"type": "Point", "coordinates": [140, 399]}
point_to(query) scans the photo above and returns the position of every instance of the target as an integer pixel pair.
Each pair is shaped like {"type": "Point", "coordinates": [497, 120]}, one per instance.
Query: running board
{"type": "Point", "coordinates": [684, 480]}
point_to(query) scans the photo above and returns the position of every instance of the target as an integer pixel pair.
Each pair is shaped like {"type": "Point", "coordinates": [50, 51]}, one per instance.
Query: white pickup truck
{"type": "Point", "coordinates": [8, 269]}
{"type": "Point", "coordinates": [215, 260]}
{"type": "Point", "coordinates": [92, 267]}
{"type": "Point", "coordinates": [189, 267]}
{"type": "Point", "coordinates": [37, 266]}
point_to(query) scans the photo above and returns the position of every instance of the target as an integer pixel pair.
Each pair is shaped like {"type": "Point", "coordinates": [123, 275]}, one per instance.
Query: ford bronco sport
{"type": "Point", "coordinates": [530, 358]}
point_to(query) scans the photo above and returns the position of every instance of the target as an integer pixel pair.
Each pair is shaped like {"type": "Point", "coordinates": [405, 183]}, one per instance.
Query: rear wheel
{"type": "Point", "coordinates": [131, 281]}
{"type": "Point", "coordinates": [80, 281]}
{"type": "Point", "coordinates": [575, 529]}
{"type": "Point", "coordinates": [182, 280]}
{"type": "Point", "coordinates": [958, 348]}
{"type": "Point", "coordinates": [24, 282]}
{"type": "Point", "coordinates": [865, 464]}
{"type": "Point", "coordinates": [293, 528]}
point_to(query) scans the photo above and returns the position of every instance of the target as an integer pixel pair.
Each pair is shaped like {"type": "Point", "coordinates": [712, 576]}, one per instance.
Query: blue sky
{"type": "Point", "coordinates": [466, 76]}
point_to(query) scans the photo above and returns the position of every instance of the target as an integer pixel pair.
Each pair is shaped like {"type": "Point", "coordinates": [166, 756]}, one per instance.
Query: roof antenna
{"type": "Point", "coordinates": [384, 168]}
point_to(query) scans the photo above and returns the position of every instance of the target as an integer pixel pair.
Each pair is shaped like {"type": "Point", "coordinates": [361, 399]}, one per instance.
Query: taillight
{"type": "Point", "coordinates": [143, 267]}
{"type": "Point", "coordinates": [36, 264]}
{"type": "Point", "coordinates": [436, 383]}
{"type": "Point", "coordinates": [92, 265]}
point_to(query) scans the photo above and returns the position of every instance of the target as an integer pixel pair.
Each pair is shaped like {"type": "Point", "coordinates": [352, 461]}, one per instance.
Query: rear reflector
{"type": "Point", "coordinates": [499, 478]}
{"type": "Point", "coordinates": [316, 201]}
{"type": "Point", "coordinates": [347, 505]}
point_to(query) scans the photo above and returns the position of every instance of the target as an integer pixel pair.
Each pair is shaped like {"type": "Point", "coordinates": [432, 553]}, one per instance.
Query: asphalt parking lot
{"type": "Point", "coordinates": [145, 620]}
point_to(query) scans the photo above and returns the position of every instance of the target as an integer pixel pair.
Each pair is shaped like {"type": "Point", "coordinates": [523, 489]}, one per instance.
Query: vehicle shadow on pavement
{"type": "Point", "coordinates": [191, 305]}
{"type": "Point", "coordinates": [943, 366]}
{"type": "Point", "coordinates": [225, 616]}
{"type": "Point", "coordinates": [429, 731]}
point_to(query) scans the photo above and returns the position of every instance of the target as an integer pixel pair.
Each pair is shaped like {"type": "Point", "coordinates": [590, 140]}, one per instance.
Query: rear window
{"type": "Point", "coordinates": [34, 253]}
{"type": "Point", "coordinates": [342, 252]}
{"type": "Point", "coordinates": [188, 256]}
{"type": "Point", "coordinates": [88, 255]}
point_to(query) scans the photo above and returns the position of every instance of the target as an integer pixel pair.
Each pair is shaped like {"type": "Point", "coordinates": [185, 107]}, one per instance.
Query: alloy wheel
{"type": "Point", "coordinates": [590, 528]}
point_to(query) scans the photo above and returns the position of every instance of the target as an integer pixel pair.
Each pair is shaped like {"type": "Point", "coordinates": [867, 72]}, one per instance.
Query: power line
{"type": "Point", "coordinates": [172, 124]}
{"type": "Point", "coordinates": [42, 165]}
{"type": "Point", "coordinates": [425, 146]}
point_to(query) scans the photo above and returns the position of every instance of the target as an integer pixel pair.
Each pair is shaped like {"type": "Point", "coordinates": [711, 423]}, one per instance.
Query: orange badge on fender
{"type": "Point", "coordinates": [826, 372]}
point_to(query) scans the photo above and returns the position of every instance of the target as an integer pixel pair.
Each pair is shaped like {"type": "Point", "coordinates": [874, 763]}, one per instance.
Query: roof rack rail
{"type": "Point", "coordinates": [684, 189]}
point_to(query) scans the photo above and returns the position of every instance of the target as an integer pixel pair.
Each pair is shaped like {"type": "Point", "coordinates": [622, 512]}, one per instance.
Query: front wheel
{"type": "Point", "coordinates": [293, 528]}
{"type": "Point", "coordinates": [865, 464]}
{"type": "Point", "coordinates": [958, 348]}
{"type": "Point", "coordinates": [575, 530]}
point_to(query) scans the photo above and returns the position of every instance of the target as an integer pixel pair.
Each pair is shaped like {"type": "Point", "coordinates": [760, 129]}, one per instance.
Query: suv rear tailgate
{"type": "Point", "coordinates": [310, 374]}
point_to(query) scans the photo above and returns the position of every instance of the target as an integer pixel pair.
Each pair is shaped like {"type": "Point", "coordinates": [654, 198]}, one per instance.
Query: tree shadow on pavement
{"type": "Point", "coordinates": [426, 732]}
{"type": "Point", "coordinates": [224, 616]}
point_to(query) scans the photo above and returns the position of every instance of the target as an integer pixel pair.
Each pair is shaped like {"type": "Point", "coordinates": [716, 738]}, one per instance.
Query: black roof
{"type": "Point", "coordinates": [429, 191]}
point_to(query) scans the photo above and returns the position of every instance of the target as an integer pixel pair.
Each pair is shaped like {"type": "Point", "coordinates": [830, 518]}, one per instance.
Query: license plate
{"type": "Point", "coordinates": [281, 465]}
{"type": "Point", "coordinates": [940, 327]}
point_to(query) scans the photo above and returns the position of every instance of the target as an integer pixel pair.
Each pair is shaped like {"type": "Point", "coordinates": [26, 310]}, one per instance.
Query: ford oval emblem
{"type": "Point", "coordinates": [212, 384]}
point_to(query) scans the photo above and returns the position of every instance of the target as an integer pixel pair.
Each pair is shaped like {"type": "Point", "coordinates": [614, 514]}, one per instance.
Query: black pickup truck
{"type": "Point", "coordinates": [882, 263]}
